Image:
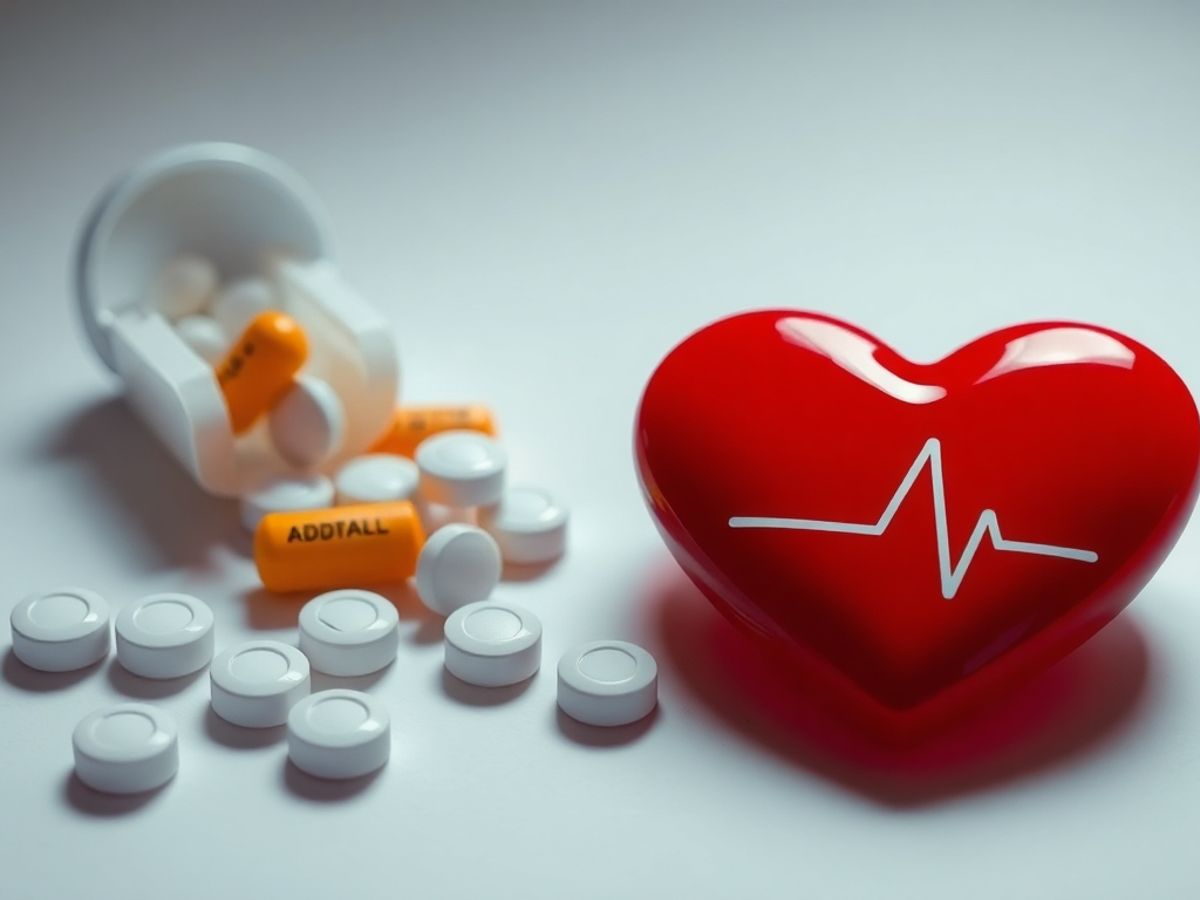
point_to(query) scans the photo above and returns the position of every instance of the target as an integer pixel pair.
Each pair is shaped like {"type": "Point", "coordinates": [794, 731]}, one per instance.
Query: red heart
{"type": "Point", "coordinates": [929, 531]}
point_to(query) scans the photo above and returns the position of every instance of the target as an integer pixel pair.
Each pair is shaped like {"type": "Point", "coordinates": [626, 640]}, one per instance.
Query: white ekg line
{"type": "Point", "coordinates": [952, 576]}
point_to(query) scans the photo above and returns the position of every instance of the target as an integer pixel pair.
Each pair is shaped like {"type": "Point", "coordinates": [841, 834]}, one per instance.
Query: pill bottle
{"type": "Point", "coordinates": [251, 216]}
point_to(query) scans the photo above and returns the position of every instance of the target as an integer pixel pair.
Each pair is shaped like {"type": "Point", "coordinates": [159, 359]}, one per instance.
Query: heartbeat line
{"type": "Point", "coordinates": [952, 574]}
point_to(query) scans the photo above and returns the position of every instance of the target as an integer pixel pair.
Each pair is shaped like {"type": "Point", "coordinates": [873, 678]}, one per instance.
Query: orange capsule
{"type": "Point", "coordinates": [412, 424]}
{"type": "Point", "coordinates": [343, 546]}
{"type": "Point", "coordinates": [260, 366]}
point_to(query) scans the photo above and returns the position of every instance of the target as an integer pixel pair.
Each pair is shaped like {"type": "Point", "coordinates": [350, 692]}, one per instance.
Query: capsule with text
{"type": "Point", "coordinates": [319, 549]}
{"type": "Point", "coordinates": [260, 366]}
{"type": "Point", "coordinates": [412, 424]}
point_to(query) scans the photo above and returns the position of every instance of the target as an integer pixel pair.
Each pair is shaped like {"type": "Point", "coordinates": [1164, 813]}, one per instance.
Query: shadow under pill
{"type": "Point", "coordinates": [431, 631]}
{"type": "Point", "coordinates": [518, 572]}
{"type": "Point", "coordinates": [323, 682]}
{"type": "Point", "coordinates": [322, 790]}
{"type": "Point", "coordinates": [125, 682]}
{"type": "Point", "coordinates": [84, 799]}
{"type": "Point", "coordinates": [236, 737]}
{"type": "Point", "coordinates": [473, 695]}
{"type": "Point", "coordinates": [269, 611]}
{"type": "Point", "coordinates": [26, 678]}
{"type": "Point", "coordinates": [602, 737]}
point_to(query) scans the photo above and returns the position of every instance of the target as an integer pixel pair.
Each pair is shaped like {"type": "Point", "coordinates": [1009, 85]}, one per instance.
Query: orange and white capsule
{"type": "Point", "coordinates": [260, 366]}
{"type": "Point", "coordinates": [319, 549]}
{"type": "Point", "coordinates": [412, 424]}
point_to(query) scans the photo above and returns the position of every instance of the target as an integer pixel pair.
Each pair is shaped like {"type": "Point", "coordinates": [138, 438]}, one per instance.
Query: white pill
{"type": "Point", "coordinates": [459, 564]}
{"type": "Point", "coordinates": [185, 285]}
{"type": "Point", "coordinates": [126, 749]}
{"type": "Point", "coordinates": [61, 630]}
{"type": "Point", "coordinates": [461, 468]}
{"type": "Point", "coordinates": [308, 423]}
{"type": "Point", "coordinates": [607, 683]}
{"type": "Point", "coordinates": [256, 684]}
{"type": "Point", "coordinates": [349, 632]}
{"type": "Point", "coordinates": [165, 636]}
{"type": "Point", "coordinates": [237, 303]}
{"type": "Point", "coordinates": [204, 336]}
{"type": "Point", "coordinates": [286, 495]}
{"type": "Point", "coordinates": [376, 478]}
{"type": "Point", "coordinates": [529, 525]}
{"type": "Point", "coordinates": [339, 734]}
{"type": "Point", "coordinates": [493, 644]}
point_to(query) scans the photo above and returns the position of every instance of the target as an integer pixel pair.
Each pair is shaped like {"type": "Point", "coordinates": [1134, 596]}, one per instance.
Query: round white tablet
{"type": "Point", "coordinates": [165, 636]}
{"type": "Point", "coordinates": [349, 632]}
{"type": "Point", "coordinates": [339, 734]}
{"type": "Point", "coordinates": [461, 468]}
{"type": "Point", "coordinates": [459, 564]}
{"type": "Point", "coordinates": [204, 336]}
{"type": "Point", "coordinates": [184, 286]}
{"type": "Point", "coordinates": [607, 683]}
{"type": "Point", "coordinates": [256, 684]}
{"type": "Point", "coordinates": [308, 423]}
{"type": "Point", "coordinates": [286, 495]}
{"type": "Point", "coordinates": [492, 644]}
{"type": "Point", "coordinates": [237, 303]}
{"type": "Point", "coordinates": [126, 749]}
{"type": "Point", "coordinates": [376, 478]}
{"type": "Point", "coordinates": [529, 525]}
{"type": "Point", "coordinates": [61, 630]}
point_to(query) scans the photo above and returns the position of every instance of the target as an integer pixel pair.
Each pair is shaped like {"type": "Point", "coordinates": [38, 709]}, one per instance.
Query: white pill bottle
{"type": "Point", "coordinates": [250, 215]}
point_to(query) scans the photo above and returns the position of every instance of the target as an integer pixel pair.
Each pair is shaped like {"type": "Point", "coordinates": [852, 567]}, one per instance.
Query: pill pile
{"type": "Point", "coordinates": [427, 504]}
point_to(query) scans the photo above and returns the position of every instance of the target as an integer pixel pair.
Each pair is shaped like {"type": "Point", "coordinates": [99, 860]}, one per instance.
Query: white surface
{"type": "Point", "coordinates": [529, 525]}
{"type": "Point", "coordinates": [376, 478]}
{"type": "Point", "coordinates": [492, 644]}
{"type": "Point", "coordinates": [285, 495]}
{"type": "Point", "coordinates": [461, 468]}
{"type": "Point", "coordinates": [255, 684]}
{"type": "Point", "coordinates": [607, 683]}
{"type": "Point", "coordinates": [542, 199]}
{"type": "Point", "coordinates": [126, 749]}
{"type": "Point", "coordinates": [339, 734]}
{"type": "Point", "coordinates": [166, 635]}
{"type": "Point", "coordinates": [183, 287]}
{"type": "Point", "coordinates": [308, 424]}
{"type": "Point", "coordinates": [349, 632]}
{"type": "Point", "coordinates": [61, 630]}
{"type": "Point", "coordinates": [459, 564]}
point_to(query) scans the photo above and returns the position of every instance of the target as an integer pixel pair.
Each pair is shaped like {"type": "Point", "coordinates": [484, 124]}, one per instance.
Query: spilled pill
{"type": "Point", "coordinates": [528, 523]}
{"type": "Point", "coordinates": [339, 734]}
{"type": "Point", "coordinates": [461, 469]}
{"type": "Point", "coordinates": [321, 549]}
{"type": "Point", "coordinates": [459, 564]}
{"type": "Point", "coordinates": [61, 630]}
{"type": "Point", "coordinates": [285, 495]}
{"type": "Point", "coordinates": [126, 749]}
{"type": "Point", "coordinates": [376, 478]}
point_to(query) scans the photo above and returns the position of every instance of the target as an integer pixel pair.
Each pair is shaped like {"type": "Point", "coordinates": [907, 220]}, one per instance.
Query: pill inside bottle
{"type": "Point", "coordinates": [319, 549]}
{"type": "Point", "coordinates": [260, 366]}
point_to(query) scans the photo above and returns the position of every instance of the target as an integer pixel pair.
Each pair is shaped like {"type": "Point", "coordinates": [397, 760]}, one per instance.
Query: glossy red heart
{"type": "Point", "coordinates": [926, 531]}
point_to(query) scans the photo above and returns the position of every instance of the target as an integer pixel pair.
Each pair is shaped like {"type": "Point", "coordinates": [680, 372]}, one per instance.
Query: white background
{"type": "Point", "coordinates": [544, 199]}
